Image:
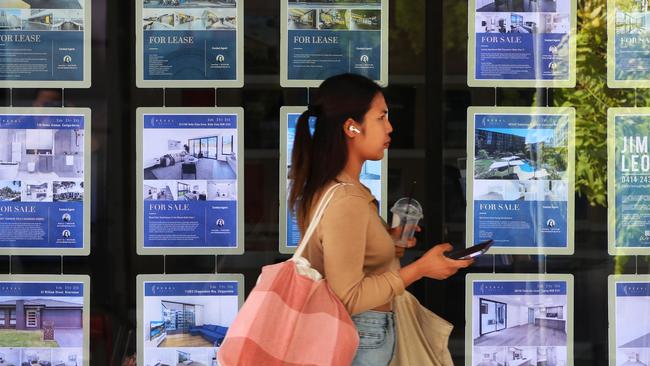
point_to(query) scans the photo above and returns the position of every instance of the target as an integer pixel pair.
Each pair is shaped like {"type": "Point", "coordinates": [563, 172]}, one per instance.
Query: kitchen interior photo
{"type": "Point", "coordinates": [41, 154]}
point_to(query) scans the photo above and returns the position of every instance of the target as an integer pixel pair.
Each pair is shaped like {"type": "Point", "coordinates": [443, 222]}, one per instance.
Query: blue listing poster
{"type": "Point", "coordinates": [45, 43]}
{"type": "Point", "coordinates": [520, 179]}
{"type": "Point", "coordinates": [628, 47]}
{"type": "Point", "coordinates": [182, 320]}
{"type": "Point", "coordinates": [629, 181]}
{"type": "Point", "coordinates": [629, 297]}
{"type": "Point", "coordinates": [190, 165]}
{"type": "Point", "coordinates": [44, 196]}
{"type": "Point", "coordinates": [371, 177]}
{"type": "Point", "coordinates": [519, 320]}
{"type": "Point", "coordinates": [323, 38]}
{"type": "Point", "coordinates": [189, 43]}
{"type": "Point", "coordinates": [44, 321]}
{"type": "Point", "coordinates": [517, 43]}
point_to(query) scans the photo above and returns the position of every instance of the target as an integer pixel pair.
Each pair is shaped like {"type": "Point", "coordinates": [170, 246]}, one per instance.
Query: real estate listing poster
{"type": "Point", "coordinates": [44, 176]}
{"type": "Point", "coordinates": [522, 43]}
{"type": "Point", "coordinates": [629, 320]}
{"type": "Point", "coordinates": [189, 43]}
{"type": "Point", "coordinates": [628, 47]}
{"type": "Point", "coordinates": [44, 320]}
{"type": "Point", "coordinates": [519, 319]}
{"type": "Point", "coordinates": [45, 43]}
{"type": "Point", "coordinates": [628, 172]}
{"type": "Point", "coordinates": [323, 38]}
{"type": "Point", "coordinates": [372, 176]}
{"type": "Point", "coordinates": [182, 319]}
{"type": "Point", "coordinates": [520, 179]}
{"type": "Point", "coordinates": [190, 173]}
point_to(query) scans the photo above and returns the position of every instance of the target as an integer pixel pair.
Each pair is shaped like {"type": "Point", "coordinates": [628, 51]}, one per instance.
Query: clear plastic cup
{"type": "Point", "coordinates": [407, 213]}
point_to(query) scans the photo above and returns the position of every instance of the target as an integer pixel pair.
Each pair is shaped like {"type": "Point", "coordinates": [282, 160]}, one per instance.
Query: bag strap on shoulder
{"type": "Point", "coordinates": [318, 214]}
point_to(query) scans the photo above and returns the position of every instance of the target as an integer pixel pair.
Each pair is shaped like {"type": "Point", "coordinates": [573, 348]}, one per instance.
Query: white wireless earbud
{"type": "Point", "coordinates": [354, 129]}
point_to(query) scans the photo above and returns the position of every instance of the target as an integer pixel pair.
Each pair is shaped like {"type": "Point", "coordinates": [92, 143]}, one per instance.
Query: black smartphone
{"type": "Point", "coordinates": [471, 252]}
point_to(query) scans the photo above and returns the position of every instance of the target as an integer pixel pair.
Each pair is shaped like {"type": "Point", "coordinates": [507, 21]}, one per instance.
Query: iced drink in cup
{"type": "Point", "coordinates": [407, 213]}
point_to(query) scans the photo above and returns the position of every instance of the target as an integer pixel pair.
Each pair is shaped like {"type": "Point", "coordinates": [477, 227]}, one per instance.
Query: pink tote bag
{"type": "Point", "coordinates": [292, 317]}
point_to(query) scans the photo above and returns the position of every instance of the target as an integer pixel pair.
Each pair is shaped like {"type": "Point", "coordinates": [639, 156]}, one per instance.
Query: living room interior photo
{"type": "Point", "coordinates": [520, 320]}
{"type": "Point", "coordinates": [190, 154]}
{"type": "Point", "coordinates": [184, 321]}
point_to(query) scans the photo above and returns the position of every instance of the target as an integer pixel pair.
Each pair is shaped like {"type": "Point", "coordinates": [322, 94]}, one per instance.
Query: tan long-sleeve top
{"type": "Point", "coordinates": [353, 250]}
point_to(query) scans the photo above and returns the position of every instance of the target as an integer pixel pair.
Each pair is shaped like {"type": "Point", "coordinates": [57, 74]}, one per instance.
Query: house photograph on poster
{"type": "Point", "coordinates": [520, 154]}
{"type": "Point", "coordinates": [10, 190]}
{"type": "Point", "coordinates": [41, 322]}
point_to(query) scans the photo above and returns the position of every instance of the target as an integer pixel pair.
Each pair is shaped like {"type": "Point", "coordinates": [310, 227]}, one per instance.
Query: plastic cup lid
{"type": "Point", "coordinates": [403, 207]}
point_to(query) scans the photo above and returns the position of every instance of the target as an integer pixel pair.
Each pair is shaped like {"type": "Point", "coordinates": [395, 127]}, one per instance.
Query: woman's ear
{"type": "Point", "coordinates": [350, 129]}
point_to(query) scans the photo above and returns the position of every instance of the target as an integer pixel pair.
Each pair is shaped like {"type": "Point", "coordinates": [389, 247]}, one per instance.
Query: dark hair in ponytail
{"type": "Point", "coordinates": [319, 159]}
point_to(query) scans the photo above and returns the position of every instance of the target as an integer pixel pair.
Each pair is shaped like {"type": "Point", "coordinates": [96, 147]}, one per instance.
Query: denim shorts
{"type": "Point", "coordinates": [376, 338]}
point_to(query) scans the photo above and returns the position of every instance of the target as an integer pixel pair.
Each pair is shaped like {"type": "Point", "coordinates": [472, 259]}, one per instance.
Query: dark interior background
{"type": "Point", "coordinates": [428, 97]}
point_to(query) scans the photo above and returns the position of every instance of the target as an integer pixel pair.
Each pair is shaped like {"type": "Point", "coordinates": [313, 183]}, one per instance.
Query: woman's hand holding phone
{"type": "Point", "coordinates": [433, 264]}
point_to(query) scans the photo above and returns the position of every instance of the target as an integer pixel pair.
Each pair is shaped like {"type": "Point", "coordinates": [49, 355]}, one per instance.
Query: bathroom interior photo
{"type": "Point", "coordinates": [37, 192]}
{"type": "Point", "coordinates": [37, 357]}
{"type": "Point", "coordinates": [189, 154]}
{"type": "Point", "coordinates": [40, 154]}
